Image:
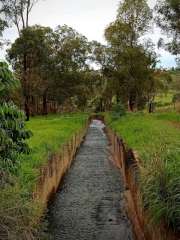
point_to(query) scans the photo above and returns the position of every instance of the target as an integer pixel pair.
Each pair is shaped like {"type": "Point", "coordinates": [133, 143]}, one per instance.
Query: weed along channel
{"type": "Point", "coordinates": [89, 202]}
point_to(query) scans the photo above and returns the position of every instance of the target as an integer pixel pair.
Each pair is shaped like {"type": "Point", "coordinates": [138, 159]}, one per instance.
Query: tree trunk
{"type": "Point", "coordinates": [150, 107]}
{"type": "Point", "coordinates": [26, 96]}
{"type": "Point", "coordinates": [37, 107]}
{"type": "Point", "coordinates": [117, 97]}
{"type": "Point", "coordinates": [174, 104]}
{"type": "Point", "coordinates": [101, 105]}
{"type": "Point", "coordinates": [55, 109]}
{"type": "Point", "coordinates": [131, 103]}
{"type": "Point", "coordinates": [33, 106]}
{"type": "Point", "coordinates": [26, 106]}
{"type": "Point", "coordinates": [44, 104]}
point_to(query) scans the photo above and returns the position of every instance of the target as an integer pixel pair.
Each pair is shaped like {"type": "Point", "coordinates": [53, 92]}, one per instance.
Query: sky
{"type": "Point", "coordinates": [88, 17]}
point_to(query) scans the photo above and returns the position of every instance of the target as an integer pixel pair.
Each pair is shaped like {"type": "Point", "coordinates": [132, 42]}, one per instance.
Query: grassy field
{"type": "Point", "coordinates": [162, 98]}
{"type": "Point", "coordinates": [156, 137]}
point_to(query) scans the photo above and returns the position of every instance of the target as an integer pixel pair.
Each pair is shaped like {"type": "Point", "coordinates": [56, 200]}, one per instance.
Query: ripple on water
{"type": "Point", "coordinates": [89, 204]}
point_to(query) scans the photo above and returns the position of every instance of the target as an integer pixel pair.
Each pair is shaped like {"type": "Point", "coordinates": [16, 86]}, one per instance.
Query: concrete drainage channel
{"type": "Point", "coordinates": [89, 202]}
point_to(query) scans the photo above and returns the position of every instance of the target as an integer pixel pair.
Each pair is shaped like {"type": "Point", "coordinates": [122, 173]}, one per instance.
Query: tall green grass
{"type": "Point", "coordinates": [171, 116]}
{"type": "Point", "coordinates": [160, 187]}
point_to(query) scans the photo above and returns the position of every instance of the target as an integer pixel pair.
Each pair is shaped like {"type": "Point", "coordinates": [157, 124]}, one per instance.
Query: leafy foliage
{"type": "Point", "coordinates": [118, 110]}
{"type": "Point", "coordinates": [12, 136]}
{"type": "Point", "coordinates": [167, 18]}
{"type": "Point", "coordinates": [131, 61]}
{"type": "Point", "coordinates": [12, 133]}
{"type": "Point", "coordinates": [175, 97]}
{"type": "Point", "coordinates": [7, 80]}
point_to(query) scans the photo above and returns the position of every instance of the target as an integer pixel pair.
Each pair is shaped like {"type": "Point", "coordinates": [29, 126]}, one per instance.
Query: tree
{"type": "Point", "coordinates": [55, 64]}
{"type": "Point", "coordinates": [137, 15]}
{"type": "Point", "coordinates": [70, 56]}
{"type": "Point", "coordinates": [17, 12]}
{"type": "Point", "coordinates": [167, 19]}
{"type": "Point", "coordinates": [130, 61]}
{"type": "Point", "coordinates": [12, 133]}
{"type": "Point", "coordinates": [158, 84]}
{"type": "Point", "coordinates": [26, 56]}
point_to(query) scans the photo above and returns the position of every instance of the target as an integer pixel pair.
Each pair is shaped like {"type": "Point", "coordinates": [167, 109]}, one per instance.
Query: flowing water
{"type": "Point", "coordinates": [89, 202]}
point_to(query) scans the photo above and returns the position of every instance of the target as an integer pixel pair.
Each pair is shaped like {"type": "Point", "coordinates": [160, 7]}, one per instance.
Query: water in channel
{"type": "Point", "coordinates": [89, 203]}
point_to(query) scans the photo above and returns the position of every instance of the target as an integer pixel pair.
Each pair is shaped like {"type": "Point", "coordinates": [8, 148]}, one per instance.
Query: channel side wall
{"type": "Point", "coordinates": [53, 170]}
{"type": "Point", "coordinates": [130, 165]}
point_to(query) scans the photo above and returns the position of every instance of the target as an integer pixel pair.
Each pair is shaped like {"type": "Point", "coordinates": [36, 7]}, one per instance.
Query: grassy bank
{"type": "Point", "coordinates": [51, 133]}
{"type": "Point", "coordinates": [157, 139]}
{"type": "Point", "coordinates": [18, 214]}
{"type": "Point", "coordinates": [149, 134]}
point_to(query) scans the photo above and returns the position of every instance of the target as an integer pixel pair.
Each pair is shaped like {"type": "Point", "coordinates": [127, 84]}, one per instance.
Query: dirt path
{"type": "Point", "coordinates": [89, 204]}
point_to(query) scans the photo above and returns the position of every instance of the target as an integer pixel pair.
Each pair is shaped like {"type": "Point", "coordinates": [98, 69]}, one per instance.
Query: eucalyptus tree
{"type": "Point", "coordinates": [56, 62]}
{"type": "Point", "coordinates": [71, 54]}
{"type": "Point", "coordinates": [17, 12]}
{"type": "Point", "coordinates": [137, 15]}
{"type": "Point", "coordinates": [32, 44]}
{"type": "Point", "coordinates": [168, 20]}
{"type": "Point", "coordinates": [131, 59]}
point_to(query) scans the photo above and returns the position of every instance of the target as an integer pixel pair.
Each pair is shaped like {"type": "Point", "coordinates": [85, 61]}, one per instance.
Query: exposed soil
{"type": "Point", "coordinates": [176, 124]}
{"type": "Point", "coordinates": [130, 210]}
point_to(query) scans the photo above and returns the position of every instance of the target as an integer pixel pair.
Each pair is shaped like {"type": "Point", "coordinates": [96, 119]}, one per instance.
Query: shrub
{"type": "Point", "coordinates": [118, 110]}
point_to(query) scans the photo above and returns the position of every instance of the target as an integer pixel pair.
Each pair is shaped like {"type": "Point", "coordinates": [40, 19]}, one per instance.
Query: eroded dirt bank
{"type": "Point", "coordinates": [129, 163]}
{"type": "Point", "coordinates": [89, 203]}
{"type": "Point", "coordinates": [53, 170]}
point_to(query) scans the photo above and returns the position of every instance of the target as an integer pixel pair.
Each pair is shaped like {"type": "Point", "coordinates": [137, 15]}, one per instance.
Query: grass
{"type": "Point", "coordinates": [19, 215]}
{"type": "Point", "coordinates": [157, 141]}
{"type": "Point", "coordinates": [167, 116]}
{"type": "Point", "coordinates": [160, 187]}
{"type": "Point", "coordinates": [145, 133]}
{"type": "Point", "coordinates": [161, 98]}
{"type": "Point", "coordinates": [51, 133]}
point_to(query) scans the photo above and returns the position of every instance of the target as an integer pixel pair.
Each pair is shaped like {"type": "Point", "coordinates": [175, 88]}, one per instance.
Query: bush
{"type": "Point", "coordinates": [12, 121]}
{"type": "Point", "coordinates": [118, 110]}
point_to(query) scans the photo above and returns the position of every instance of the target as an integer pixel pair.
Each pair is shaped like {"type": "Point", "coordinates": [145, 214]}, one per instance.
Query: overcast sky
{"type": "Point", "coordinates": [89, 17]}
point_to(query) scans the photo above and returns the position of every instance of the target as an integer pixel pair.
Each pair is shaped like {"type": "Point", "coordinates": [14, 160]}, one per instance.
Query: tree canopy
{"type": "Point", "coordinates": [132, 61]}
{"type": "Point", "coordinates": [168, 20]}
